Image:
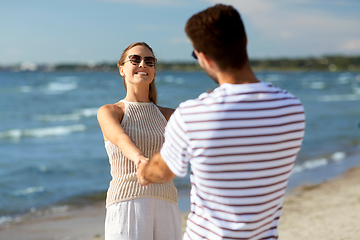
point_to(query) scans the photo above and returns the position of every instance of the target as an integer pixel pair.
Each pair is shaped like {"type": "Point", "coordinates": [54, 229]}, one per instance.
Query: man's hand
{"type": "Point", "coordinates": [141, 172]}
{"type": "Point", "coordinates": [154, 171]}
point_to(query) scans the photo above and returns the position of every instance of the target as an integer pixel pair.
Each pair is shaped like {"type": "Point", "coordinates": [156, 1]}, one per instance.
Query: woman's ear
{"type": "Point", "coordinates": [121, 71]}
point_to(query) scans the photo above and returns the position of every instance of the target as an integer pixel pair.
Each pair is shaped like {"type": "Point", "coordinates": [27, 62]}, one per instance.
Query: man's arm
{"type": "Point", "coordinates": [154, 171]}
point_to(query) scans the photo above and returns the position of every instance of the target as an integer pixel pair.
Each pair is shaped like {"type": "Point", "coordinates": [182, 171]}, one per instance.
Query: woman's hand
{"type": "Point", "coordinates": [139, 158]}
{"type": "Point", "coordinates": [140, 174]}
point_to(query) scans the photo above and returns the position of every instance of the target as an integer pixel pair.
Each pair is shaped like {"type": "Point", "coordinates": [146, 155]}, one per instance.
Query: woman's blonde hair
{"type": "Point", "coordinates": [152, 87]}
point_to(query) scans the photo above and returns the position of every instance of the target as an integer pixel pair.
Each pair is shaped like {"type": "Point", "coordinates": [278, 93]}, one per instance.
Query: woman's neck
{"type": "Point", "coordinates": [136, 94]}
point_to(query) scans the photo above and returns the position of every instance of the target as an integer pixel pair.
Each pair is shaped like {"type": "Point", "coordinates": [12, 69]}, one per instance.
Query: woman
{"type": "Point", "coordinates": [133, 131]}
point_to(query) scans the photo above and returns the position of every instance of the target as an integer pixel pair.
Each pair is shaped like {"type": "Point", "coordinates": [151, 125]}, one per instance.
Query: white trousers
{"type": "Point", "coordinates": [143, 219]}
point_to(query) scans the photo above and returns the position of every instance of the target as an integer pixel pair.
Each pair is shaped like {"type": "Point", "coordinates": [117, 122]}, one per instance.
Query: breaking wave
{"type": "Point", "coordinates": [42, 132]}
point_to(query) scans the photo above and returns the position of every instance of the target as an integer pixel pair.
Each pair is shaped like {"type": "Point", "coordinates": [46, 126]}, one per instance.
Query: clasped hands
{"type": "Point", "coordinates": [140, 163]}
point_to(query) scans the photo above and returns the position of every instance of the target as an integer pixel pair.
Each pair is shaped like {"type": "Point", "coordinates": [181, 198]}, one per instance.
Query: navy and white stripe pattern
{"type": "Point", "coordinates": [241, 142]}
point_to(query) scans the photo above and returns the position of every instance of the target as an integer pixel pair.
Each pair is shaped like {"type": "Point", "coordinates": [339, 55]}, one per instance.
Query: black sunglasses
{"type": "Point", "coordinates": [193, 54]}
{"type": "Point", "coordinates": [136, 59]}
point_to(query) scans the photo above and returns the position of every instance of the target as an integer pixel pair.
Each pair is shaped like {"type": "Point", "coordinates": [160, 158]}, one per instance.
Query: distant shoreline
{"type": "Point", "coordinates": [325, 63]}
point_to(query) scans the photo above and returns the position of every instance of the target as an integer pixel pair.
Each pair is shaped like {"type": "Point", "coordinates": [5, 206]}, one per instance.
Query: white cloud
{"type": "Point", "coordinates": [150, 2]}
{"type": "Point", "coordinates": [72, 52]}
{"type": "Point", "coordinates": [316, 30]}
{"type": "Point", "coordinates": [151, 27]}
{"type": "Point", "coordinates": [351, 45]}
{"type": "Point", "coordinates": [13, 52]}
{"type": "Point", "coordinates": [285, 34]}
{"type": "Point", "coordinates": [179, 40]}
{"type": "Point", "coordinates": [248, 7]}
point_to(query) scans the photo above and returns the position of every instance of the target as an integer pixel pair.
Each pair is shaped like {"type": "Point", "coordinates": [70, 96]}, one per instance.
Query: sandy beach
{"type": "Point", "coordinates": [328, 211]}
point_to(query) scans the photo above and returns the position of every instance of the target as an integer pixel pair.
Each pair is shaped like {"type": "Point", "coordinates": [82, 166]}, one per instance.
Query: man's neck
{"type": "Point", "coordinates": [242, 76]}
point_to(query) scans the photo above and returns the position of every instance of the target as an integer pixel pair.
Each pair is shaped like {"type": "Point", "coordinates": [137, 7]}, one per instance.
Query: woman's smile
{"type": "Point", "coordinates": [142, 73]}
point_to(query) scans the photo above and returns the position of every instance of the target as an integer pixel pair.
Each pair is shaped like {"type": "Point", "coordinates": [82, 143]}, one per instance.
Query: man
{"type": "Point", "coordinates": [241, 140]}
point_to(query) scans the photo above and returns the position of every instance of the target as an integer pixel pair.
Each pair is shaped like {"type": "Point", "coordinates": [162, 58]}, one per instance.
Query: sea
{"type": "Point", "coordinates": [52, 153]}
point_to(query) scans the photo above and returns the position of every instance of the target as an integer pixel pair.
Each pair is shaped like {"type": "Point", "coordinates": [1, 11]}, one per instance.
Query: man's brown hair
{"type": "Point", "coordinates": [219, 32]}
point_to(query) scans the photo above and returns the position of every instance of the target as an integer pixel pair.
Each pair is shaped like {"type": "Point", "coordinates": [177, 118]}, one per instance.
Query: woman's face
{"type": "Point", "coordinates": [139, 73]}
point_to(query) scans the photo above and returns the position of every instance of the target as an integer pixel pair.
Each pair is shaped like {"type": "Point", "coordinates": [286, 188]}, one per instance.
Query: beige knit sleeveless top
{"type": "Point", "coordinates": [145, 125]}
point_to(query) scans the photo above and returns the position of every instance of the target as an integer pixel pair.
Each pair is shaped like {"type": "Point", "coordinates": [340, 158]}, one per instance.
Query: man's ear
{"type": "Point", "coordinates": [207, 61]}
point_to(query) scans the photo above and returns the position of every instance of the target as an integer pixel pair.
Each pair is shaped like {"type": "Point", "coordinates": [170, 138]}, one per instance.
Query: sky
{"type": "Point", "coordinates": [96, 31]}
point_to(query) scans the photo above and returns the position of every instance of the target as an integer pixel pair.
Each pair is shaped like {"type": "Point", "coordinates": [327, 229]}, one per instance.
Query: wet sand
{"type": "Point", "coordinates": [328, 211]}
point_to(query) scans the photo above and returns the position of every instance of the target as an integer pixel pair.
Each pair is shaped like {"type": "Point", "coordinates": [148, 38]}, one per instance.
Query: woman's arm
{"type": "Point", "coordinates": [109, 117]}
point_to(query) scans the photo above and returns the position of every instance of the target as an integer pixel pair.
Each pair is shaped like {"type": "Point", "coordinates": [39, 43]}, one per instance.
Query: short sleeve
{"type": "Point", "coordinates": [175, 150]}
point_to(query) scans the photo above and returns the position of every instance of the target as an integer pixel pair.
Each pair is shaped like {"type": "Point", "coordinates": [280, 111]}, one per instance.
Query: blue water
{"type": "Point", "coordinates": [51, 146]}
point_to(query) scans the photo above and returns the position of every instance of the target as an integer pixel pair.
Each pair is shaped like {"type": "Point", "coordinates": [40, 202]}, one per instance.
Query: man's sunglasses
{"type": "Point", "coordinates": [193, 54]}
{"type": "Point", "coordinates": [136, 59]}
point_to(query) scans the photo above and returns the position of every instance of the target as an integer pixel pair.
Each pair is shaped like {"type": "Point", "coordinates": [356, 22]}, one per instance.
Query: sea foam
{"type": "Point", "coordinates": [315, 163]}
{"type": "Point", "coordinates": [339, 98]}
{"type": "Point", "coordinates": [29, 191]}
{"type": "Point", "coordinates": [42, 132]}
{"type": "Point", "coordinates": [317, 85]}
{"type": "Point", "coordinates": [75, 116]}
{"type": "Point", "coordinates": [58, 87]}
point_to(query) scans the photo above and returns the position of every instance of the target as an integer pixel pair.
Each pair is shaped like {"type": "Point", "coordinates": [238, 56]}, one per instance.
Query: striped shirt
{"type": "Point", "coordinates": [241, 142]}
